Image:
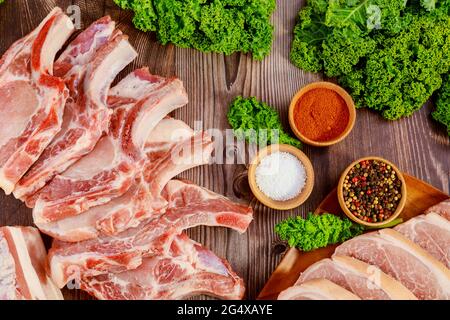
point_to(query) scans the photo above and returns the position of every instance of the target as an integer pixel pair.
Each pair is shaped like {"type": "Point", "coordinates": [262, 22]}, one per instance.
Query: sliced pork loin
{"type": "Point", "coordinates": [140, 101]}
{"type": "Point", "coordinates": [31, 99]}
{"type": "Point", "coordinates": [431, 232]}
{"type": "Point", "coordinates": [189, 206]}
{"type": "Point", "coordinates": [417, 270]}
{"type": "Point", "coordinates": [171, 149]}
{"type": "Point", "coordinates": [22, 260]}
{"type": "Point", "coordinates": [364, 280]}
{"type": "Point", "coordinates": [442, 209]}
{"type": "Point", "coordinates": [187, 269]}
{"type": "Point", "coordinates": [317, 289]}
{"type": "Point", "coordinates": [88, 66]}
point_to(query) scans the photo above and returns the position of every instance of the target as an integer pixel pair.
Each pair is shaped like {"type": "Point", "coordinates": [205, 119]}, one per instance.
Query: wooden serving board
{"type": "Point", "coordinates": [420, 196]}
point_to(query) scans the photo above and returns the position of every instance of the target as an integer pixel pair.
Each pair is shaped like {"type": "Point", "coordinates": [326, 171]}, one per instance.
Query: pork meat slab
{"type": "Point", "coordinates": [317, 289]}
{"type": "Point", "coordinates": [189, 206]}
{"type": "Point", "coordinates": [417, 270]}
{"type": "Point", "coordinates": [88, 66]}
{"type": "Point", "coordinates": [188, 269]}
{"type": "Point", "coordinates": [31, 99]}
{"type": "Point", "coordinates": [431, 232]}
{"type": "Point", "coordinates": [140, 101]}
{"type": "Point", "coordinates": [22, 264]}
{"type": "Point", "coordinates": [366, 281]}
{"type": "Point", "coordinates": [167, 157]}
{"type": "Point", "coordinates": [442, 209]}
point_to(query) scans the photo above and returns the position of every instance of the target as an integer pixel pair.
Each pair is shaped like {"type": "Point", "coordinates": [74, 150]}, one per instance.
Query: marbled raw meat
{"type": "Point", "coordinates": [431, 232]}
{"type": "Point", "coordinates": [140, 101]}
{"type": "Point", "coordinates": [366, 281]}
{"type": "Point", "coordinates": [31, 99]}
{"type": "Point", "coordinates": [22, 266]}
{"type": "Point", "coordinates": [187, 269]}
{"type": "Point", "coordinates": [88, 66]}
{"type": "Point", "coordinates": [442, 209]}
{"type": "Point", "coordinates": [417, 270]}
{"type": "Point", "coordinates": [189, 206]}
{"type": "Point", "coordinates": [171, 149]}
{"type": "Point", "coordinates": [317, 289]}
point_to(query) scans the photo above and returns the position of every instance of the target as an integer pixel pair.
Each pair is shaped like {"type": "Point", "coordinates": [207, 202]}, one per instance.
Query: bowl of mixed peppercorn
{"type": "Point", "coordinates": [372, 191]}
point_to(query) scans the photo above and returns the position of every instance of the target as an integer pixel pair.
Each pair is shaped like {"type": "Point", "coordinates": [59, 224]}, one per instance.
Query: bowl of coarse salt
{"type": "Point", "coordinates": [281, 177]}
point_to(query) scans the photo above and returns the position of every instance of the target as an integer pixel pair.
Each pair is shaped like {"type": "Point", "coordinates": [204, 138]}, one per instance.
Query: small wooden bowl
{"type": "Point", "coordinates": [288, 204]}
{"type": "Point", "coordinates": [348, 101]}
{"type": "Point", "coordinates": [347, 212]}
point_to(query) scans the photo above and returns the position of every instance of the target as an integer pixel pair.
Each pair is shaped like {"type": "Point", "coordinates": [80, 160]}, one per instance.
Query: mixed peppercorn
{"type": "Point", "coordinates": [372, 190]}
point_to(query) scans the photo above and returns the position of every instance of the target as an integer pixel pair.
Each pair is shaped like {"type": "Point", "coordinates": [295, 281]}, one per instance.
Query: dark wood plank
{"type": "Point", "coordinates": [416, 144]}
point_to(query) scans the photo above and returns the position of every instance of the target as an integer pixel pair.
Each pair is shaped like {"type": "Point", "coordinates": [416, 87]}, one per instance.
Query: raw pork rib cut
{"type": "Point", "coordinates": [22, 264]}
{"type": "Point", "coordinates": [88, 66]}
{"type": "Point", "coordinates": [167, 157]}
{"type": "Point", "coordinates": [424, 276]}
{"type": "Point", "coordinates": [31, 99]}
{"type": "Point", "coordinates": [187, 269]}
{"type": "Point", "coordinates": [442, 209]}
{"type": "Point", "coordinates": [193, 205]}
{"type": "Point", "coordinates": [431, 232]}
{"type": "Point", "coordinates": [364, 280]}
{"type": "Point", "coordinates": [109, 170]}
{"type": "Point", "coordinates": [189, 206]}
{"type": "Point", "coordinates": [317, 289]}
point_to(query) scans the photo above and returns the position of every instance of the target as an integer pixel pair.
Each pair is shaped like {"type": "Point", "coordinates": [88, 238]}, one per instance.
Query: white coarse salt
{"type": "Point", "coordinates": [280, 176]}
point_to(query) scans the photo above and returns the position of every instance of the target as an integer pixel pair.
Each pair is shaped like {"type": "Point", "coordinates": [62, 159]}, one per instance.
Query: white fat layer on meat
{"type": "Point", "coordinates": [24, 260]}
{"type": "Point", "coordinates": [132, 87]}
{"type": "Point", "coordinates": [115, 61]}
{"type": "Point", "coordinates": [442, 275]}
{"type": "Point", "coordinates": [149, 118]}
{"type": "Point", "coordinates": [55, 39]}
{"type": "Point", "coordinates": [6, 184]}
{"type": "Point", "coordinates": [169, 130]}
{"type": "Point", "coordinates": [7, 272]}
{"type": "Point", "coordinates": [438, 220]}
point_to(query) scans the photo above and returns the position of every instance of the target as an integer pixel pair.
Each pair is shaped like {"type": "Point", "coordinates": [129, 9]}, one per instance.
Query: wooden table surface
{"type": "Point", "coordinates": [417, 144]}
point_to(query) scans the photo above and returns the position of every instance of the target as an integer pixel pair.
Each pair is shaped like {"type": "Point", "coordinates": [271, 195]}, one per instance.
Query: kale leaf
{"type": "Point", "coordinates": [442, 113]}
{"type": "Point", "coordinates": [390, 54]}
{"type": "Point", "coordinates": [317, 231]}
{"type": "Point", "coordinates": [223, 26]}
{"type": "Point", "coordinates": [257, 122]}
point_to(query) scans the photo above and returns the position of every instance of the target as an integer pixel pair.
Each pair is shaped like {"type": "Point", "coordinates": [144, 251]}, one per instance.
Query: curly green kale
{"type": "Point", "coordinates": [442, 113]}
{"type": "Point", "coordinates": [317, 231]}
{"type": "Point", "coordinates": [390, 54]}
{"type": "Point", "coordinates": [257, 122]}
{"type": "Point", "coordinates": [223, 26]}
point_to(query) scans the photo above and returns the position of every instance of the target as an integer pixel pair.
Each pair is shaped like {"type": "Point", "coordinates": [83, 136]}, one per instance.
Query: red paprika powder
{"type": "Point", "coordinates": [321, 114]}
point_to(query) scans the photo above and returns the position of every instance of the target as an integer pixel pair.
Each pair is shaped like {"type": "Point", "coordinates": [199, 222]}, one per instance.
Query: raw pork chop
{"type": "Point", "coordinates": [22, 264]}
{"type": "Point", "coordinates": [88, 66]}
{"type": "Point", "coordinates": [317, 289]}
{"type": "Point", "coordinates": [142, 100]}
{"type": "Point", "coordinates": [442, 209]}
{"type": "Point", "coordinates": [424, 276]}
{"type": "Point", "coordinates": [189, 206]}
{"type": "Point", "coordinates": [187, 269]}
{"type": "Point", "coordinates": [143, 200]}
{"type": "Point", "coordinates": [31, 99]}
{"type": "Point", "coordinates": [364, 280]}
{"type": "Point", "coordinates": [431, 232]}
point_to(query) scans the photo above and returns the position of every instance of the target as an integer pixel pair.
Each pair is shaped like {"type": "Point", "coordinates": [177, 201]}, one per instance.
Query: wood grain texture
{"type": "Point", "coordinates": [416, 144]}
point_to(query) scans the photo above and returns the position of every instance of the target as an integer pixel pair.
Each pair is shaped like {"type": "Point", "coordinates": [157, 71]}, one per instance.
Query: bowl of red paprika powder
{"type": "Point", "coordinates": [322, 114]}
